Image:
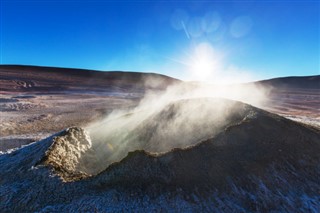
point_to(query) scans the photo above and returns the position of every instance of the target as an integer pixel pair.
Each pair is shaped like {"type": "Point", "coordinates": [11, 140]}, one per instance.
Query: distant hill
{"type": "Point", "coordinates": [19, 78]}
{"type": "Point", "coordinates": [294, 82]}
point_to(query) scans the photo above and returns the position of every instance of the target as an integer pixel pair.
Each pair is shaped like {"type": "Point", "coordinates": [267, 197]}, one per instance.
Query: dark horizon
{"type": "Point", "coordinates": [133, 71]}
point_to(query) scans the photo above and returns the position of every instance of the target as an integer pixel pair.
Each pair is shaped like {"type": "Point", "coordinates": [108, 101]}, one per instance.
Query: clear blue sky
{"type": "Point", "coordinates": [192, 40]}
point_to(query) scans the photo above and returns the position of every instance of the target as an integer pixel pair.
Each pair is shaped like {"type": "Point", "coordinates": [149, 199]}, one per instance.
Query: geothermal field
{"type": "Point", "coordinates": [75, 140]}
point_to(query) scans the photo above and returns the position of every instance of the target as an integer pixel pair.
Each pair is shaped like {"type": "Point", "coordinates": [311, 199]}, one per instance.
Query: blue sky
{"type": "Point", "coordinates": [191, 40]}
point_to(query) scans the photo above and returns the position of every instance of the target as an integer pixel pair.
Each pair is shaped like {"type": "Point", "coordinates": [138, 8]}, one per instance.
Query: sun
{"type": "Point", "coordinates": [204, 62]}
{"type": "Point", "coordinates": [202, 68]}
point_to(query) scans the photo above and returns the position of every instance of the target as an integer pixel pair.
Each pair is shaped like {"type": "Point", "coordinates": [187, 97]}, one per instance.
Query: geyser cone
{"type": "Point", "coordinates": [71, 154]}
{"type": "Point", "coordinates": [177, 124]}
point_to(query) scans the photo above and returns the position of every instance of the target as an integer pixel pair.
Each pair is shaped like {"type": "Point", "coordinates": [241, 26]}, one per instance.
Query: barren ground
{"type": "Point", "coordinates": [36, 102]}
{"type": "Point", "coordinates": [28, 118]}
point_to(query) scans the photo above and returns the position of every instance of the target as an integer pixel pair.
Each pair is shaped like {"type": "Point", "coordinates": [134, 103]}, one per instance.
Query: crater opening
{"type": "Point", "coordinates": [79, 153]}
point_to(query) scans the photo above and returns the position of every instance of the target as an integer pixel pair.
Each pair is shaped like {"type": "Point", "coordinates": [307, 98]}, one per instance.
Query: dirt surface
{"type": "Point", "coordinates": [297, 98]}
{"type": "Point", "coordinates": [301, 105]}
{"type": "Point", "coordinates": [38, 101]}
{"type": "Point", "coordinates": [262, 162]}
{"type": "Point", "coordinates": [30, 119]}
{"type": "Point", "coordinates": [255, 161]}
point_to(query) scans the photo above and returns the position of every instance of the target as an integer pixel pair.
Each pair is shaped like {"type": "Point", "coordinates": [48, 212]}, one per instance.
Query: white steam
{"type": "Point", "coordinates": [183, 115]}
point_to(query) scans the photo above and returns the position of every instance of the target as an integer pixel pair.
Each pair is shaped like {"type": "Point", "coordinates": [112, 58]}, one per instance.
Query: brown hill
{"type": "Point", "coordinates": [36, 79]}
{"type": "Point", "coordinates": [292, 82]}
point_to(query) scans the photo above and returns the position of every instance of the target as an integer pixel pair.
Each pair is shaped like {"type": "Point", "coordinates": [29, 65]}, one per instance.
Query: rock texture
{"type": "Point", "coordinates": [262, 163]}
{"type": "Point", "coordinates": [71, 154]}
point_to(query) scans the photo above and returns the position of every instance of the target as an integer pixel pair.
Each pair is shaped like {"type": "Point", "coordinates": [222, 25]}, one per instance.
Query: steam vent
{"type": "Point", "coordinates": [247, 153]}
{"type": "Point", "coordinates": [159, 106]}
{"type": "Point", "coordinates": [71, 155]}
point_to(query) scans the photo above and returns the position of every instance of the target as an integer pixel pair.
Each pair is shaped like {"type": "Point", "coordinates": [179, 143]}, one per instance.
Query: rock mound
{"type": "Point", "coordinates": [259, 146]}
{"type": "Point", "coordinates": [178, 124]}
{"type": "Point", "coordinates": [191, 141]}
{"type": "Point", "coordinates": [71, 154]}
{"type": "Point", "coordinates": [255, 162]}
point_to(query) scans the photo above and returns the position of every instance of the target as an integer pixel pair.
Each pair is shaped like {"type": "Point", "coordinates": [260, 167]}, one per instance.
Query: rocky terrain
{"type": "Point", "coordinates": [36, 102]}
{"type": "Point", "coordinates": [129, 151]}
{"type": "Point", "coordinates": [257, 162]}
{"type": "Point", "coordinates": [296, 98]}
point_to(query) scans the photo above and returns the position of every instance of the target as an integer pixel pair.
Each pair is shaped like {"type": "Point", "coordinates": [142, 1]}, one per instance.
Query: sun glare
{"type": "Point", "coordinates": [202, 68]}
{"type": "Point", "coordinates": [204, 62]}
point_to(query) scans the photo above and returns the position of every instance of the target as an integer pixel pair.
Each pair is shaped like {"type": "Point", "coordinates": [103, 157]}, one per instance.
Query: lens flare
{"type": "Point", "coordinates": [205, 62]}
